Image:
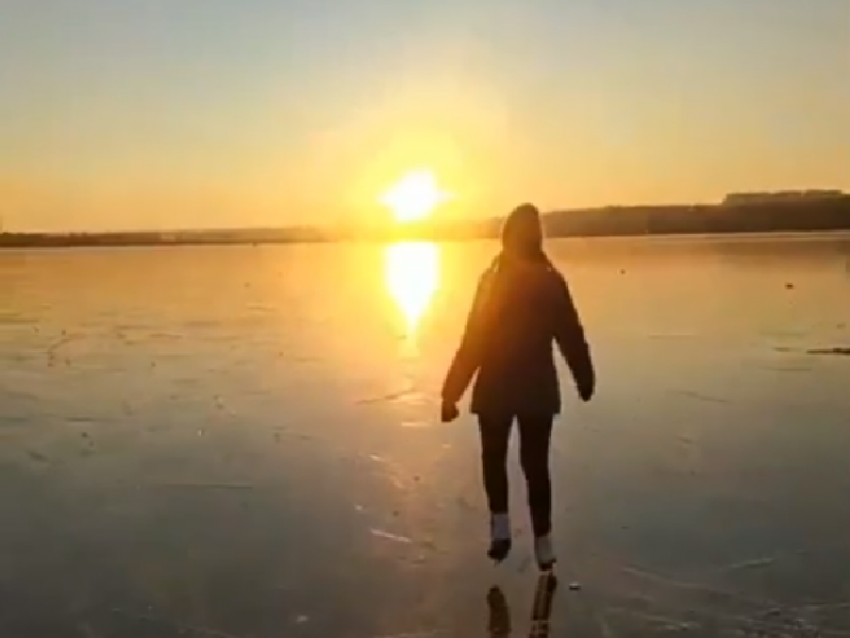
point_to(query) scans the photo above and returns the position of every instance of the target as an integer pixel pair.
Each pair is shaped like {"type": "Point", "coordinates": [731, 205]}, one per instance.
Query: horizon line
{"type": "Point", "coordinates": [731, 199]}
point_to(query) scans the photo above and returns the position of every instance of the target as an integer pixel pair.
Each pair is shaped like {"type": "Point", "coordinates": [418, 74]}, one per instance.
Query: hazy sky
{"type": "Point", "coordinates": [183, 113]}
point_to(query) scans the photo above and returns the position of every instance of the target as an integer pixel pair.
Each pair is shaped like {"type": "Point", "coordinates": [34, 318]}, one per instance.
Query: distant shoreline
{"type": "Point", "coordinates": [708, 236]}
{"type": "Point", "coordinates": [801, 215]}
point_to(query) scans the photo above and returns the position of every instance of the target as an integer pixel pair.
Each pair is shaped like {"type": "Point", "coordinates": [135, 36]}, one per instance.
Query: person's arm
{"type": "Point", "coordinates": [467, 357]}
{"type": "Point", "coordinates": [571, 340]}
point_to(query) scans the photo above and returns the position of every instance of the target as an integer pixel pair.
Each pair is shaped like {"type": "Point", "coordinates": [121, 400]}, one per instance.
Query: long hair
{"type": "Point", "coordinates": [522, 237]}
{"type": "Point", "coordinates": [522, 242]}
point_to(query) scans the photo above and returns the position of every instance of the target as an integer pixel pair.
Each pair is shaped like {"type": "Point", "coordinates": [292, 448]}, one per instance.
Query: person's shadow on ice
{"type": "Point", "coordinates": [499, 613]}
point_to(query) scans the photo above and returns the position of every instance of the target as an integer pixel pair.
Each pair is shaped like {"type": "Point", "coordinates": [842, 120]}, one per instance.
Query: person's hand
{"type": "Point", "coordinates": [586, 389]}
{"type": "Point", "coordinates": [448, 412]}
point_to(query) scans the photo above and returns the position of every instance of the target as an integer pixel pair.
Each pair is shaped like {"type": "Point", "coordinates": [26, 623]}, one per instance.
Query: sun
{"type": "Point", "coordinates": [414, 197]}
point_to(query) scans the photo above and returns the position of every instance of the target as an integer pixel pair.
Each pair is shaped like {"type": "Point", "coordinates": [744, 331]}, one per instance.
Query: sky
{"type": "Point", "coordinates": [141, 114]}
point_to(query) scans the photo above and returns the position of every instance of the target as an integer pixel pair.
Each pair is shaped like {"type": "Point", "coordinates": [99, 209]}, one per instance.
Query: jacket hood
{"type": "Point", "coordinates": [522, 232]}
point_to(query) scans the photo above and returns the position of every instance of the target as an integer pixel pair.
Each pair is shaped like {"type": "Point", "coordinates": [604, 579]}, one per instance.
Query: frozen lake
{"type": "Point", "coordinates": [244, 442]}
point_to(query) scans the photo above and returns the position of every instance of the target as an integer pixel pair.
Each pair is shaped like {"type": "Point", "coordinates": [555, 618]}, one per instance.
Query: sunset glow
{"type": "Point", "coordinates": [414, 197]}
{"type": "Point", "coordinates": [219, 116]}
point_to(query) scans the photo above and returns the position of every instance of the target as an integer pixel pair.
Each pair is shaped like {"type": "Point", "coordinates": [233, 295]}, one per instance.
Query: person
{"type": "Point", "coordinates": [521, 307]}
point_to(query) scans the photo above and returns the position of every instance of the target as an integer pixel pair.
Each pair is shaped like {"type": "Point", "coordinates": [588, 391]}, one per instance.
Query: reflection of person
{"type": "Point", "coordinates": [522, 306]}
{"type": "Point", "coordinates": [499, 613]}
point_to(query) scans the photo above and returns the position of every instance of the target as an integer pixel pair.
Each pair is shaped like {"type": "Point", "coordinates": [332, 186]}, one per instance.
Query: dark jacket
{"type": "Point", "coordinates": [521, 307]}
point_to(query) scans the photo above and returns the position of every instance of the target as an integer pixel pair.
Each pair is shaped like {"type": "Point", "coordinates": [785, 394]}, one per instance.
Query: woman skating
{"type": "Point", "coordinates": [522, 307]}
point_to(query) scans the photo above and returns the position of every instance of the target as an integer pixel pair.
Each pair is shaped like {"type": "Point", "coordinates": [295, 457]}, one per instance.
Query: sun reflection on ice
{"type": "Point", "coordinates": [412, 271]}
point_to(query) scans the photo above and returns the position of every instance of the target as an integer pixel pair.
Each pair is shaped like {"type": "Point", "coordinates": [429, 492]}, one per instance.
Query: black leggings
{"type": "Point", "coordinates": [535, 433]}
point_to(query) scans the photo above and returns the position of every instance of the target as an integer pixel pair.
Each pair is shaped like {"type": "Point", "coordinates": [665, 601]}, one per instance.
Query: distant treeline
{"type": "Point", "coordinates": [738, 214]}
{"type": "Point", "coordinates": [735, 215]}
{"type": "Point", "coordinates": [832, 213]}
{"type": "Point", "coordinates": [170, 238]}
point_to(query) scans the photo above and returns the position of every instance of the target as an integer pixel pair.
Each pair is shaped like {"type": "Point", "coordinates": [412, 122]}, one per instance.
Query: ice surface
{"type": "Point", "coordinates": [244, 443]}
